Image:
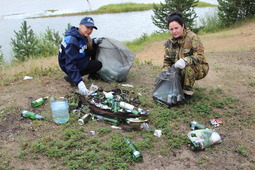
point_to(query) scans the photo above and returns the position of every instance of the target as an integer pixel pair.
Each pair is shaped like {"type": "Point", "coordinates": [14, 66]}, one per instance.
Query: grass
{"type": "Point", "coordinates": [76, 148]}
{"type": "Point", "coordinates": [117, 8]}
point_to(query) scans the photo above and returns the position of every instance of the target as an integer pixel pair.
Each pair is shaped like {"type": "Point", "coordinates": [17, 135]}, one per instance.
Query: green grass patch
{"type": "Point", "coordinates": [76, 148]}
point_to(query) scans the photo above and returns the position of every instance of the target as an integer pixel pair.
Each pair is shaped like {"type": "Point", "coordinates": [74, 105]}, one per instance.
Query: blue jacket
{"type": "Point", "coordinates": [72, 56]}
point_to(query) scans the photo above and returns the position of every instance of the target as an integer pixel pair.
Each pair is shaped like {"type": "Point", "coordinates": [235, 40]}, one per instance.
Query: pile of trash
{"type": "Point", "coordinates": [117, 106]}
{"type": "Point", "coordinates": [202, 137]}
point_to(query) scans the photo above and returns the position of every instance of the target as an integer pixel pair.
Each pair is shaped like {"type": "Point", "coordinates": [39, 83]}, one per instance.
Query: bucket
{"type": "Point", "coordinates": [60, 111]}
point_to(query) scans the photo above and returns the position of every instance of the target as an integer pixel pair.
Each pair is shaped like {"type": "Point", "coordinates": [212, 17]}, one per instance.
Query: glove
{"type": "Point", "coordinates": [98, 40]}
{"type": "Point", "coordinates": [82, 88]}
{"type": "Point", "coordinates": [180, 64]}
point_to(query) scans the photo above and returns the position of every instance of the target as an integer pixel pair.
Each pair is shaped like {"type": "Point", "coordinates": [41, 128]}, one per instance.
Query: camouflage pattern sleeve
{"type": "Point", "coordinates": [196, 52]}
{"type": "Point", "coordinates": [168, 56]}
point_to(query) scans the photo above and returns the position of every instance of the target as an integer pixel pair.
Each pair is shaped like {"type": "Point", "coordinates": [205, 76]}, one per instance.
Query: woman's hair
{"type": "Point", "coordinates": [89, 43]}
{"type": "Point", "coordinates": [175, 16]}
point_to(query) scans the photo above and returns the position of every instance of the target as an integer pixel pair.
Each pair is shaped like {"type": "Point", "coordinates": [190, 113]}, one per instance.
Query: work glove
{"type": "Point", "coordinates": [82, 88]}
{"type": "Point", "coordinates": [98, 40]}
{"type": "Point", "coordinates": [180, 64]}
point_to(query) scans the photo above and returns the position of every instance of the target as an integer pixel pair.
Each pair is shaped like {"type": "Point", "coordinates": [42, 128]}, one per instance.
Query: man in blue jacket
{"type": "Point", "coordinates": [77, 54]}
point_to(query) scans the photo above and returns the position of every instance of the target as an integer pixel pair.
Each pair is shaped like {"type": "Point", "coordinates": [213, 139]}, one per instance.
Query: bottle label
{"type": "Point", "coordinates": [39, 100]}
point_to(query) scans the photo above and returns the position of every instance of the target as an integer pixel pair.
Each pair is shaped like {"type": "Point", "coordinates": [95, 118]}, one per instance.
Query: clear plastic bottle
{"type": "Point", "coordinates": [31, 115]}
{"type": "Point", "coordinates": [60, 110]}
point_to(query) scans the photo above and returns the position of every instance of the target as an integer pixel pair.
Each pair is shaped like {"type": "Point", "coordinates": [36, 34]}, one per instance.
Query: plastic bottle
{"type": "Point", "coordinates": [116, 122]}
{"type": "Point", "coordinates": [84, 119]}
{"type": "Point", "coordinates": [38, 102]}
{"type": "Point", "coordinates": [203, 138]}
{"type": "Point", "coordinates": [132, 108]}
{"type": "Point", "coordinates": [60, 110]}
{"type": "Point", "coordinates": [31, 115]}
{"type": "Point", "coordinates": [195, 125]}
{"type": "Point", "coordinates": [135, 154]}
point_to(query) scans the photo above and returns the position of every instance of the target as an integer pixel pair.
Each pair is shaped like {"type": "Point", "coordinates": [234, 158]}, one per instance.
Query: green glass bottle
{"type": "Point", "coordinates": [135, 154]}
{"type": "Point", "coordinates": [31, 115]}
{"type": "Point", "coordinates": [38, 102]}
{"type": "Point", "coordinates": [195, 125]}
{"type": "Point", "coordinates": [114, 121]}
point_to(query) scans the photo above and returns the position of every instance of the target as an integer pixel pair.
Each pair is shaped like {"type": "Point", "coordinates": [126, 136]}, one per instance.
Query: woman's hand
{"type": "Point", "coordinates": [82, 88]}
{"type": "Point", "coordinates": [180, 64]}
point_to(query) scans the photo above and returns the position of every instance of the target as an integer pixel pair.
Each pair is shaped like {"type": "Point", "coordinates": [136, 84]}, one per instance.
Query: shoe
{"type": "Point", "coordinates": [69, 80]}
{"type": "Point", "coordinates": [187, 98]}
{"type": "Point", "coordinates": [94, 76]}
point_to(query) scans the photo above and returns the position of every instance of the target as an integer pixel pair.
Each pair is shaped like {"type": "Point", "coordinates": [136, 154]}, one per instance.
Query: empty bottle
{"type": "Point", "coordinates": [195, 125]}
{"type": "Point", "coordinates": [135, 154]}
{"type": "Point", "coordinates": [31, 115]}
{"type": "Point", "coordinates": [114, 121]}
{"type": "Point", "coordinates": [60, 110]}
{"type": "Point", "coordinates": [38, 102]}
{"type": "Point", "coordinates": [132, 108]}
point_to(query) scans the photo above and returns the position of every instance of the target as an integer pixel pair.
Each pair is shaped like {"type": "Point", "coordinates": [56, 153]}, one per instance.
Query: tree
{"type": "Point", "coordinates": [24, 46]}
{"type": "Point", "coordinates": [48, 43]}
{"type": "Point", "coordinates": [162, 11]}
{"type": "Point", "coordinates": [231, 11]}
{"type": "Point", "coordinates": [1, 57]}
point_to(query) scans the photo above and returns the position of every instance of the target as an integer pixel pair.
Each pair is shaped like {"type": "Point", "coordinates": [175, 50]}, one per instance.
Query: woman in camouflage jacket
{"type": "Point", "coordinates": [185, 51]}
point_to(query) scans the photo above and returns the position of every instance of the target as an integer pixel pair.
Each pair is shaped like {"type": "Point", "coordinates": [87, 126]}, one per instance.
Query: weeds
{"type": "Point", "coordinates": [241, 149]}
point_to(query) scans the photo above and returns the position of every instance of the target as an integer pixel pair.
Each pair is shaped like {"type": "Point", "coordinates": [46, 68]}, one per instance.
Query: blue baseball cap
{"type": "Point", "coordinates": [88, 21]}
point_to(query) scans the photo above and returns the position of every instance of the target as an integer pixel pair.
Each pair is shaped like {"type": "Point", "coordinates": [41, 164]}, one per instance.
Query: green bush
{"type": "Point", "coordinates": [24, 46]}
{"type": "Point", "coordinates": [232, 11]}
{"type": "Point", "coordinates": [48, 43]}
{"type": "Point", "coordinates": [1, 57]}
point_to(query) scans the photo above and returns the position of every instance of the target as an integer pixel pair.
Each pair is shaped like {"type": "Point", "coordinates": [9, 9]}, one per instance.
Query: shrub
{"type": "Point", "coordinates": [24, 46]}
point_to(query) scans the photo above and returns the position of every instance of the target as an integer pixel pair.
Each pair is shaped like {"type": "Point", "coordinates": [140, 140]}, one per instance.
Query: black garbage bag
{"type": "Point", "coordinates": [168, 89]}
{"type": "Point", "coordinates": [116, 58]}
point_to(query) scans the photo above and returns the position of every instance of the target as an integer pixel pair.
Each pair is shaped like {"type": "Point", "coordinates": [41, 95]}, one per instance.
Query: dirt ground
{"type": "Point", "coordinates": [231, 56]}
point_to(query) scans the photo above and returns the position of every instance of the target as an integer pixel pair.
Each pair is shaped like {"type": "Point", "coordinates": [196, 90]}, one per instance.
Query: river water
{"type": "Point", "coordinates": [121, 26]}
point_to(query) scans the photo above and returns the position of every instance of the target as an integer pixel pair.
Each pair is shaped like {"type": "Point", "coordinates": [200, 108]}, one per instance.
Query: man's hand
{"type": "Point", "coordinates": [98, 40]}
{"type": "Point", "coordinates": [180, 64]}
{"type": "Point", "coordinates": [82, 88]}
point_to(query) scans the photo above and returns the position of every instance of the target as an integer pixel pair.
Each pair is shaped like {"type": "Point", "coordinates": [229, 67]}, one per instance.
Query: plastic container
{"type": "Point", "coordinates": [203, 138]}
{"type": "Point", "coordinates": [60, 110]}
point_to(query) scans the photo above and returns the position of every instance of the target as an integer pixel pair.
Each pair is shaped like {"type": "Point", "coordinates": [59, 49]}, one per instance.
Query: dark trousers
{"type": "Point", "coordinates": [92, 68]}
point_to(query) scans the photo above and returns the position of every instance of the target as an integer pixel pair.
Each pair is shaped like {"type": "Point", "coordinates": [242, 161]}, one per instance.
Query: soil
{"type": "Point", "coordinates": [230, 55]}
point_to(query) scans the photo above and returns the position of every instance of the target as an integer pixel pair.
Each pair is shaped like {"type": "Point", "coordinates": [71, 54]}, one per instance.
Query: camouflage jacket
{"type": "Point", "coordinates": [189, 47]}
